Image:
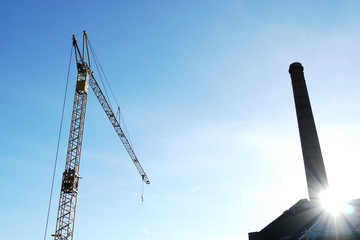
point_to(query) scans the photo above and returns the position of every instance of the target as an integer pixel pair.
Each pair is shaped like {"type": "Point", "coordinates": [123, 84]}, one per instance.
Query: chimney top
{"type": "Point", "coordinates": [295, 67]}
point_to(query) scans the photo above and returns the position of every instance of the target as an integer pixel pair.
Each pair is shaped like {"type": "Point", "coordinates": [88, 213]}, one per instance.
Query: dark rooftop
{"type": "Point", "coordinates": [307, 221]}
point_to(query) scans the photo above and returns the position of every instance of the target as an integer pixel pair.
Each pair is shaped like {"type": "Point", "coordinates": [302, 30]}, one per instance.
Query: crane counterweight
{"type": "Point", "coordinates": [82, 84]}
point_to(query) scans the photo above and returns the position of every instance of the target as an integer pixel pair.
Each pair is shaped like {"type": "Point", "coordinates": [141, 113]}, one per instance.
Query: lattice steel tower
{"type": "Point", "coordinates": [70, 179]}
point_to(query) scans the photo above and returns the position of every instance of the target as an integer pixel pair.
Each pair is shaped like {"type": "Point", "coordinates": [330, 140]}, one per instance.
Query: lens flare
{"type": "Point", "coordinates": [335, 203]}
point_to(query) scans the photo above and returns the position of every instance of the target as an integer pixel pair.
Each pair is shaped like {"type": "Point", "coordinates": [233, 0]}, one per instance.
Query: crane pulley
{"type": "Point", "coordinates": [70, 179]}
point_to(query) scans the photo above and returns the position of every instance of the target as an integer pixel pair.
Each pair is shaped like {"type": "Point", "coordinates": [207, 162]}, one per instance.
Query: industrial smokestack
{"type": "Point", "coordinates": [314, 166]}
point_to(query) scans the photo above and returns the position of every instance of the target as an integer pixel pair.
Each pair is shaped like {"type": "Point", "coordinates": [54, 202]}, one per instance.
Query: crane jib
{"type": "Point", "coordinates": [109, 113]}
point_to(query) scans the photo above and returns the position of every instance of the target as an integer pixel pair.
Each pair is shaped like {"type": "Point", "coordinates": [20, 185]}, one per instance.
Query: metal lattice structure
{"type": "Point", "coordinates": [70, 180]}
{"type": "Point", "coordinates": [105, 105]}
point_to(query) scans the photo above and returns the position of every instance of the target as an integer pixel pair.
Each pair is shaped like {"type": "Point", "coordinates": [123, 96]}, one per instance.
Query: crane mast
{"type": "Point", "coordinates": [70, 179]}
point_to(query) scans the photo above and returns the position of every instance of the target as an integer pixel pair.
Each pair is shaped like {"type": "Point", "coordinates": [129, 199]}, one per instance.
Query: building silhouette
{"type": "Point", "coordinates": [308, 219]}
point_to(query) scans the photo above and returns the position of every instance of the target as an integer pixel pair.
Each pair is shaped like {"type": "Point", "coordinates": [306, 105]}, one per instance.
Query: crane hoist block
{"type": "Point", "coordinates": [82, 84]}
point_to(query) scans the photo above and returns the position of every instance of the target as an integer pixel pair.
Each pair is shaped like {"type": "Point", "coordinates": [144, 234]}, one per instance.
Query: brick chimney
{"type": "Point", "coordinates": [317, 181]}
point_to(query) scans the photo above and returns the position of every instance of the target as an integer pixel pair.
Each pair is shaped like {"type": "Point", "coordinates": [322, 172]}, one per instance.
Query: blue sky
{"type": "Point", "coordinates": [205, 92]}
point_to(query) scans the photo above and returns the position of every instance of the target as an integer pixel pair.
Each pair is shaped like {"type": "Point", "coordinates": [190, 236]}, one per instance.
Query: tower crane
{"type": "Point", "coordinates": [70, 178]}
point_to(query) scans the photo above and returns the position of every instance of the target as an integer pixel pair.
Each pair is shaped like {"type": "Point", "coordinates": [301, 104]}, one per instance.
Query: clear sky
{"type": "Point", "coordinates": [205, 92]}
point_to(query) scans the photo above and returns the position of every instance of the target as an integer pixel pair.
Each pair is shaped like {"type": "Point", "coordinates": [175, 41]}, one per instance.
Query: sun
{"type": "Point", "coordinates": [335, 203]}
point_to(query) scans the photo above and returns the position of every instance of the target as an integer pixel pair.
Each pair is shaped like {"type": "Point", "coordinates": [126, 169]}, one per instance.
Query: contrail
{"type": "Point", "coordinates": [201, 186]}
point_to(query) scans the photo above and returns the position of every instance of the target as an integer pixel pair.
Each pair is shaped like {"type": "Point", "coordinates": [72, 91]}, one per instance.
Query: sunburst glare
{"type": "Point", "coordinates": [335, 203]}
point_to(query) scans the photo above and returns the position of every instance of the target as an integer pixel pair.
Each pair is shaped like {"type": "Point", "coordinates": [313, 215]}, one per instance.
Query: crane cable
{"type": "Point", "coordinates": [97, 64]}
{"type": "Point", "coordinates": [145, 213]}
{"type": "Point", "coordinates": [142, 191]}
{"type": "Point", "coordinates": [136, 212]}
{"type": "Point", "coordinates": [141, 205]}
{"type": "Point", "coordinates": [58, 144]}
{"type": "Point", "coordinates": [101, 73]}
{"type": "Point", "coordinates": [131, 220]}
{"type": "Point", "coordinates": [147, 221]}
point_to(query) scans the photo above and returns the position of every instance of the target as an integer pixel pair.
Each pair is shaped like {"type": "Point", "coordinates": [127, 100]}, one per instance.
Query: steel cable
{"type": "Point", "coordinates": [147, 221]}
{"type": "Point", "coordinates": [131, 220]}
{"type": "Point", "coordinates": [102, 73]}
{"type": "Point", "coordinates": [58, 145]}
{"type": "Point", "coordinates": [96, 64]}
